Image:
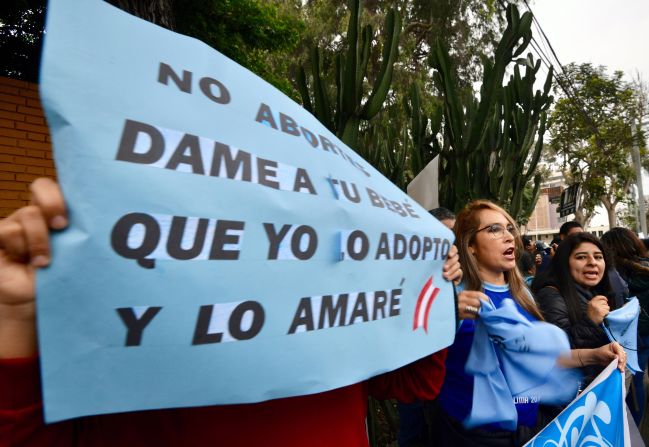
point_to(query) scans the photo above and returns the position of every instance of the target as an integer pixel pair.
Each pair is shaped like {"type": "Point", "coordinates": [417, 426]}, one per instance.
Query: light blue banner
{"type": "Point", "coordinates": [597, 417]}
{"type": "Point", "coordinates": [224, 246]}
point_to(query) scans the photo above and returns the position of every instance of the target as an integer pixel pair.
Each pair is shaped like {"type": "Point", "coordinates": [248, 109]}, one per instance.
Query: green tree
{"type": "Point", "coordinates": [591, 135]}
{"type": "Point", "coordinates": [159, 12]}
{"type": "Point", "coordinates": [345, 108]}
{"type": "Point", "coordinates": [21, 38]}
{"type": "Point", "coordinates": [469, 29]}
{"type": "Point", "coordinates": [493, 141]}
{"type": "Point", "coordinates": [629, 218]}
{"type": "Point", "coordinates": [260, 35]}
{"type": "Point", "coordinates": [401, 138]}
{"type": "Point", "coordinates": [257, 34]}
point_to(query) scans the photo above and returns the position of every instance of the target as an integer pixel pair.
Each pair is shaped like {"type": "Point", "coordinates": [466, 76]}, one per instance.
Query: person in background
{"type": "Point", "coordinates": [331, 418]}
{"type": "Point", "coordinates": [488, 239]}
{"type": "Point", "coordinates": [618, 285]}
{"type": "Point", "coordinates": [631, 260]}
{"type": "Point", "coordinates": [554, 245]}
{"type": "Point", "coordinates": [530, 247]}
{"type": "Point", "coordinates": [415, 417]}
{"type": "Point", "coordinates": [444, 215]}
{"type": "Point", "coordinates": [544, 250]}
{"type": "Point", "coordinates": [527, 267]}
{"type": "Point", "coordinates": [568, 228]}
{"type": "Point", "coordinates": [538, 253]}
{"type": "Point", "coordinates": [575, 294]}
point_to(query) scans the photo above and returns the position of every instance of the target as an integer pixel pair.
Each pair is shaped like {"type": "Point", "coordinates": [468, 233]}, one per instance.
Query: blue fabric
{"type": "Point", "coordinates": [621, 325]}
{"type": "Point", "coordinates": [459, 389]}
{"type": "Point", "coordinates": [512, 358]}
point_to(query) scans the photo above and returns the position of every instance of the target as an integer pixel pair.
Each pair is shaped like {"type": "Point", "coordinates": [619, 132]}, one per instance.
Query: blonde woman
{"type": "Point", "coordinates": [488, 242]}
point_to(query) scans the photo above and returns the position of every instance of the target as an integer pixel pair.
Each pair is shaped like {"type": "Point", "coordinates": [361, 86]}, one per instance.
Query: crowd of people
{"type": "Point", "coordinates": [567, 284]}
{"type": "Point", "coordinates": [573, 285]}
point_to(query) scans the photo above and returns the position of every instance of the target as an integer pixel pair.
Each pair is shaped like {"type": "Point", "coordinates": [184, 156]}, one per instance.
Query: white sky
{"type": "Point", "coordinates": [602, 32]}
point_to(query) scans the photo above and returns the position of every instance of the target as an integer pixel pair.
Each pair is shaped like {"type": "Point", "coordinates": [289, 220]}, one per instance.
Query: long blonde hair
{"type": "Point", "coordinates": [467, 224]}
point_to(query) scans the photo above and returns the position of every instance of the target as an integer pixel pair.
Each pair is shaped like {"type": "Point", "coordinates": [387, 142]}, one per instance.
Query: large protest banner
{"type": "Point", "coordinates": [596, 417]}
{"type": "Point", "coordinates": [224, 246]}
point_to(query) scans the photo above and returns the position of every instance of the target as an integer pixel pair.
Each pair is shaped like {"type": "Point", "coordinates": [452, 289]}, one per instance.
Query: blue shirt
{"type": "Point", "coordinates": [456, 396]}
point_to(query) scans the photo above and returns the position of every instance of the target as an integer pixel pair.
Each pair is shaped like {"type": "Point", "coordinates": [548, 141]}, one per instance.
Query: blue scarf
{"type": "Point", "coordinates": [621, 325]}
{"type": "Point", "coordinates": [511, 357]}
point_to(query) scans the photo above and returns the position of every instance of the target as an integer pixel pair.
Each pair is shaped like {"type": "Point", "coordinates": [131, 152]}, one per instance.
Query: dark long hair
{"type": "Point", "coordinates": [626, 250]}
{"type": "Point", "coordinates": [558, 275]}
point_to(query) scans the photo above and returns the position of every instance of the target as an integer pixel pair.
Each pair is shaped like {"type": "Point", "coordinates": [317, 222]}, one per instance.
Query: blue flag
{"type": "Point", "coordinates": [621, 325]}
{"type": "Point", "coordinates": [597, 417]}
{"type": "Point", "coordinates": [510, 357]}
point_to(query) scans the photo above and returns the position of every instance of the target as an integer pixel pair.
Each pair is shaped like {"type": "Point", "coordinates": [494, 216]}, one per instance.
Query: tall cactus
{"type": "Point", "coordinates": [524, 114]}
{"type": "Point", "coordinates": [493, 143]}
{"type": "Point", "coordinates": [343, 115]}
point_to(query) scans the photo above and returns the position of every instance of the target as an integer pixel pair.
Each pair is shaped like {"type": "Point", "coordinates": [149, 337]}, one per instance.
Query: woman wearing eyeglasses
{"type": "Point", "coordinates": [487, 239]}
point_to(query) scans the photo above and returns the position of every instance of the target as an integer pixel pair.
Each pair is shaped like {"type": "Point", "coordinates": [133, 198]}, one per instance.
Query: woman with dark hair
{"type": "Point", "coordinates": [575, 294]}
{"type": "Point", "coordinates": [488, 240]}
{"type": "Point", "coordinates": [630, 258]}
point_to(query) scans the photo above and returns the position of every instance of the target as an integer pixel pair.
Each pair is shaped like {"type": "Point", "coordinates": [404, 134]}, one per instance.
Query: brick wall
{"type": "Point", "coordinates": [25, 145]}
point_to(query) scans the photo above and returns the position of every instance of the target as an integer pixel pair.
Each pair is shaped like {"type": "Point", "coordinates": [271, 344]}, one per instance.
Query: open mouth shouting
{"type": "Point", "coordinates": [587, 264]}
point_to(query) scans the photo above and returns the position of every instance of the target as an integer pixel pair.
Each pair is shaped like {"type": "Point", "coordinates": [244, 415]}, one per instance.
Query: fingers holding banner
{"type": "Point", "coordinates": [47, 196]}
{"type": "Point", "coordinates": [452, 269]}
{"type": "Point", "coordinates": [24, 235]}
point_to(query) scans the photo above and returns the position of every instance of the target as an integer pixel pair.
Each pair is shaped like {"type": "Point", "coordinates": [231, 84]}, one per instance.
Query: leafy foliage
{"type": "Point", "coordinates": [469, 29]}
{"type": "Point", "coordinates": [257, 34]}
{"type": "Point", "coordinates": [592, 133]}
{"type": "Point", "coordinates": [342, 109]}
{"type": "Point", "coordinates": [21, 32]}
{"type": "Point", "coordinates": [405, 133]}
{"type": "Point", "coordinates": [498, 133]}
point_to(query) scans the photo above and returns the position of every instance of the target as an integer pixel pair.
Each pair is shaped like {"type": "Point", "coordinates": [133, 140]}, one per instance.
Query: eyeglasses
{"type": "Point", "coordinates": [497, 230]}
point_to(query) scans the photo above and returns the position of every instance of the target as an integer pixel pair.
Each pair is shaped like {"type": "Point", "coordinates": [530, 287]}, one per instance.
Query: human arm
{"type": "Point", "coordinates": [603, 355]}
{"type": "Point", "coordinates": [555, 311]}
{"type": "Point", "coordinates": [419, 380]}
{"type": "Point", "coordinates": [581, 334]}
{"type": "Point", "coordinates": [24, 247]}
{"type": "Point", "coordinates": [21, 408]}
